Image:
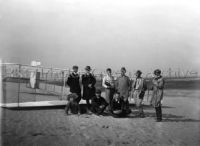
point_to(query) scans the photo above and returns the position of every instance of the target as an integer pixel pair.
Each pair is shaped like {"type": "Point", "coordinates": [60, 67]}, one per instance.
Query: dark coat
{"type": "Point", "coordinates": [73, 83]}
{"type": "Point", "coordinates": [88, 92]}
{"type": "Point", "coordinates": [98, 105]}
{"type": "Point", "coordinates": [117, 105]}
{"type": "Point", "coordinates": [99, 101]}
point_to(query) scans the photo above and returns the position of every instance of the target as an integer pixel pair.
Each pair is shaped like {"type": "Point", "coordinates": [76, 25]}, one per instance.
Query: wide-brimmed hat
{"type": "Point", "coordinates": [138, 72]}
{"type": "Point", "coordinates": [88, 68]}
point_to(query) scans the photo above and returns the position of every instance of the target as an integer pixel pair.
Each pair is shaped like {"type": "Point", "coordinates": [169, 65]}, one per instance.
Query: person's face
{"type": "Point", "coordinates": [156, 75]}
{"type": "Point", "coordinates": [109, 73]}
{"type": "Point", "coordinates": [117, 96]}
{"type": "Point", "coordinates": [137, 75]}
{"type": "Point", "coordinates": [98, 95]}
{"type": "Point", "coordinates": [123, 72]}
{"type": "Point", "coordinates": [71, 99]}
{"type": "Point", "coordinates": [75, 70]}
{"type": "Point", "coordinates": [87, 71]}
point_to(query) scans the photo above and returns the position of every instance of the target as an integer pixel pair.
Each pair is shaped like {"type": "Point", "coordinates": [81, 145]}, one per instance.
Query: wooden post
{"type": "Point", "coordinates": [46, 81]}
{"type": "Point", "coordinates": [62, 79]}
{"type": "Point", "coordinates": [18, 95]}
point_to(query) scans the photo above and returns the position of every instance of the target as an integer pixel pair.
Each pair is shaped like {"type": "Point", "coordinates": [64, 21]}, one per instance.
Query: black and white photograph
{"type": "Point", "coordinates": [99, 73]}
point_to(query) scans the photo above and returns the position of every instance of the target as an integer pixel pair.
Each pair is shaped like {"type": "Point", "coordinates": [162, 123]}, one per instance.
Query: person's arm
{"type": "Point", "coordinates": [144, 85]}
{"type": "Point", "coordinates": [117, 83]}
{"type": "Point", "coordinates": [67, 108]}
{"type": "Point", "coordinates": [103, 83]}
{"type": "Point", "coordinates": [129, 84]}
{"type": "Point", "coordinates": [112, 106]}
{"type": "Point", "coordinates": [104, 102]}
{"type": "Point", "coordinates": [79, 110]}
{"type": "Point", "coordinates": [93, 80]}
{"type": "Point", "coordinates": [69, 80]}
{"type": "Point", "coordinates": [160, 84]}
{"type": "Point", "coordinates": [83, 80]}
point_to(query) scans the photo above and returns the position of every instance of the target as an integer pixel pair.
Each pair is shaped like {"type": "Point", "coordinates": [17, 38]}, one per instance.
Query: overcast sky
{"type": "Point", "coordinates": [137, 34]}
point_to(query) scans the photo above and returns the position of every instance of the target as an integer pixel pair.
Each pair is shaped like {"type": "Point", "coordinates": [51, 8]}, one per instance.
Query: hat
{"type": "Point", "coordinates": [108, 69]}
{"type": "Point", "coordinates": [87, 68]}
{"type": "Point", "coordinates": [138, 72]}
{"type": "Point", "coordinates": [72, 95]}
{"type": "Point", "coordinates": [157, 72]}
{"type": "Point", "coordinates": [123, 68]}
{"type": "Point", "coordinates": [75, 67]}
{"type": "Point", "coordinates": [98, 91]}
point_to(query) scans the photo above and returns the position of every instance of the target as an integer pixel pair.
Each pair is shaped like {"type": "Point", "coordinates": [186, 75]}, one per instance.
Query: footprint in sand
{"type": "Point", "coordinates": [109, 142]}
{"type": "Point", "coordinates": [86, 135]}
{"type": "Point", "coordinates": [125, 142]}
{"type": "Point", "coordinates": [37, 134]}
{"type": "Point", "coordinates": [104, 126]}
{"type": "Point", "coordinates": [82, 127]}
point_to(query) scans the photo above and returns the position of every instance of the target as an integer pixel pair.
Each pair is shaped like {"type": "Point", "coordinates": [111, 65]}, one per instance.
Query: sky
{"type": "Point", "coordinates": [145, 34]}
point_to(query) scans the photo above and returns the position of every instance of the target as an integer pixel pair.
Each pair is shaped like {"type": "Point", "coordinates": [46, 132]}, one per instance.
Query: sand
{"type": "Point", "coordinates": [41, 127]}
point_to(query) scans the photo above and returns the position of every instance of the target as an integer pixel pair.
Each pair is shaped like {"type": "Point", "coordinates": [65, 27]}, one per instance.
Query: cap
{"type": "Point", "coordinates": [123, 68]}
{"type": "Point", "coordinates": [138, 72]}
{"type": "Point", "coordinates": [88, 68]}
{"type": "Point", "coordinates": [157, 72]}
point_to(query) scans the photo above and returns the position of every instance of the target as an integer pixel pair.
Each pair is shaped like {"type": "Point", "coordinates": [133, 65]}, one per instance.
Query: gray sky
{"type": "Point", "coordinates": [143, 34]}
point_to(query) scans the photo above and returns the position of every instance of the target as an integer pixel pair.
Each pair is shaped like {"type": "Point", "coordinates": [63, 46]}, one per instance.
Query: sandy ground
{"type": "Point", "coordinates": [41, 127]}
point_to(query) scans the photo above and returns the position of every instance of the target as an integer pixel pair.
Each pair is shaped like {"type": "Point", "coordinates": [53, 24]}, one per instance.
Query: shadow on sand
{"type": "Point", "coordinates": [166, 117]}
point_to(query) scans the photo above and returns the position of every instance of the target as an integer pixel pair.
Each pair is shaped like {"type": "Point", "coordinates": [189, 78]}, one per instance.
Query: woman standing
{"type": "Point", "coordinates": [88, 81]}
{"type": "Point", "coordinates": [109, 85]}
{"type": "Point", "coordinates": [157, 95]}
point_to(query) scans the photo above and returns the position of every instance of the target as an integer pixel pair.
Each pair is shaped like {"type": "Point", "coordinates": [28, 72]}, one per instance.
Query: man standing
{"type": "Point", "coordinates": [138, 90]}
{"type": "Point", "coordinates": [88, 81]}
{"type": "Point", "coordinates": [73, 82]}
{"type": "Point", "coordinates": [123, 86]}
{"type": "Point", "coordinates": [157, 95]}
{"type": "Point", "coordinates": [109, 85]}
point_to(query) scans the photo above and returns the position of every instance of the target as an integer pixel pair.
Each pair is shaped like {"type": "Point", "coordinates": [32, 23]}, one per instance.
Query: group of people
{"type": "Point", "coordinates": [117, 93]}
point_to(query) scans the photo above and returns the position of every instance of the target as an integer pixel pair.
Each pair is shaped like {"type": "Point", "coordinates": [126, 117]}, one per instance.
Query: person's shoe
{"type": "Point", "coordinates": [142, 115]}
{"type": "Point", "coordinates": [89, 112]}
{"type": "Point", "coordinates": [159, 120]}
{"type": "Point", "coordinates": [128, 111]}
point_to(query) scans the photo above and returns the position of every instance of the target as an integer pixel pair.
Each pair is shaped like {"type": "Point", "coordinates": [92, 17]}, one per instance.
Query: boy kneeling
{"type": "Point", "coordinates": [72, 106]}
{"type": "Point", "coordinates": [117, 106]}
{"type": "Point", "coordinates": [99, 104]}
